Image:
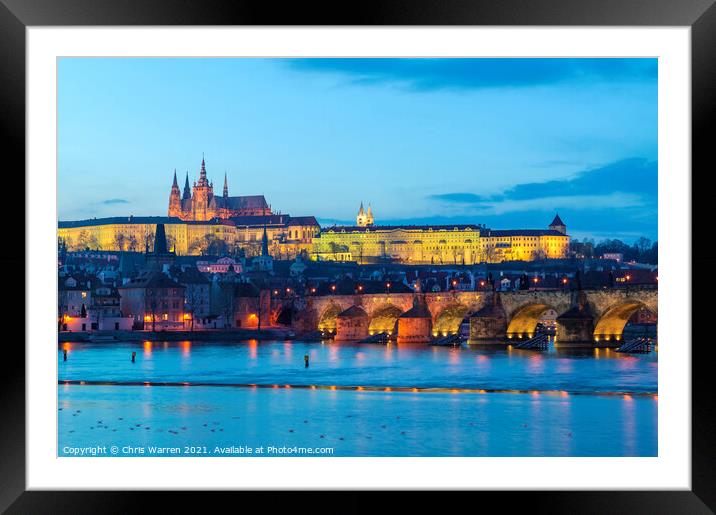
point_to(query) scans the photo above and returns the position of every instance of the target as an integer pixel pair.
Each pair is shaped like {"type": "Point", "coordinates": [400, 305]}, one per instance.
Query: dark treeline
{"type": "Point", "coordinates": [642, 251]}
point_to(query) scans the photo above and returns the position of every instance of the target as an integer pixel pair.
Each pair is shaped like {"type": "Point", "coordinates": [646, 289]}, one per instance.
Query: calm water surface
{"type": "Point", "coordinates": [578, 402]}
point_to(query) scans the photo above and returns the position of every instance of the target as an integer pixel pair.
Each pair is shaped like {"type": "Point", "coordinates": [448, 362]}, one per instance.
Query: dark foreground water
{"type": "Point", "coordinates": [353, 400]}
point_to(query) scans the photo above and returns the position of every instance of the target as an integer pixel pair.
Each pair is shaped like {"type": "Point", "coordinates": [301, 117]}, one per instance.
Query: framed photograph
{"type": "Point", "coordinates": [429, 247]}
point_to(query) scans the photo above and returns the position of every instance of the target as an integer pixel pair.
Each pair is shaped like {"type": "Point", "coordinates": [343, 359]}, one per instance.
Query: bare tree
{"type": "Point", "coordinates": [227, 302]}
{"type": "Point", "coordinates": [119, 240]}
{"type": "Point", "coordinates": [193, 300]}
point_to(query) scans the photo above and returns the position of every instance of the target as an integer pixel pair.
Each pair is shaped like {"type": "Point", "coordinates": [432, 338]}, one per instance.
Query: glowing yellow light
{"type": "Point", "coordinates": [252, 315]}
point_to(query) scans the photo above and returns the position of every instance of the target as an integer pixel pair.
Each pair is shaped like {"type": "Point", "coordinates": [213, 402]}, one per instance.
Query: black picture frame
{"type": "Point", "coordinates": [700, 15]}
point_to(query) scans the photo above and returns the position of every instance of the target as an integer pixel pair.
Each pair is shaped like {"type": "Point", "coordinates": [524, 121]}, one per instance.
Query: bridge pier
{"type": "Point", "coordinates": [490, 322]}
{"type": "Point", "coordinates": [416, 324]}
{"type": "Point", "coordinates": [352, 325]}
{"type": "Point", "coordinates": [575, 327]}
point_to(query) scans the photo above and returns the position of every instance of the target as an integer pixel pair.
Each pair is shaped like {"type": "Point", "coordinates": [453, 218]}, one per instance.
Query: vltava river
{"type": "Point", "coordinates": [356, 400]}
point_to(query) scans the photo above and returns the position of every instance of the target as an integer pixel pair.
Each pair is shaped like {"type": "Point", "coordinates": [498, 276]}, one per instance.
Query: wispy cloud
{"type": "Point", "coordinates": [471, 73]}
{"type": "Point", "coordinates": [624, 181]}
{"type": "Point", "coordinates": [112, 201]}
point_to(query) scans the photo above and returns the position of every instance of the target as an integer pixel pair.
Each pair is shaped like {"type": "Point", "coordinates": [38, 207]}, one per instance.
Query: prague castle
{"type": "Point", "coordinates": [196, 220]}
{"type": "Point", "coordinates": [200, 203]}
{"type": "Point", "coordinates": [438, 244]}
{"type": "Point", "coordinates": [199, 222]}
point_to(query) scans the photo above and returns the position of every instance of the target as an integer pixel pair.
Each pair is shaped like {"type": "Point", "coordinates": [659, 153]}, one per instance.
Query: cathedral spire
{"type": "Point", "coordinates": [226, 186]}
{"type": "Point", "coordinates": [203, 181]}
{"type": "Point", "coordinates": [175, 184]}
{"type": "Point", "coordinates": [187, 189]}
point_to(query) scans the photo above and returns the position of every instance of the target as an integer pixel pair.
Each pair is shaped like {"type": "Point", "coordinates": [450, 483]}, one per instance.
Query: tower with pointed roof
{"type": "Point", "coordinates": [226, 186]}
{"type": "Point", "coordinates": [160, 255]}
{"type": "Point", "coordinates": [369, 216]}
{"type": "Point", "coordinates": [264, 262]}
{"type": "Point", "coordinates": [361, 219]}
{"type": "Point", "coordinates": [202, 196]}
{"type": "Point", "coordinates": [558, 225]}
{"type": "Point", "coordinates": [187, 188]}
{"type": "Point", "coordinates": [174, 198]}
{"type": "Point", "coordinates": [264, 243]}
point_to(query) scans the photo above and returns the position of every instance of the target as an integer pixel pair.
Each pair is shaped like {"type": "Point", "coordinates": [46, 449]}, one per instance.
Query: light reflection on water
{"type": "Point", "coordinates": [357, 423]}
{"type": "Point", "coordinates": [418, 365]}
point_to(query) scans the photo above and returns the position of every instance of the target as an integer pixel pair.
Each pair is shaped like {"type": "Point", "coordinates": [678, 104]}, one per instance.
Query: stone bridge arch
{"type": "Point", "coordinates": [448, 319]}
{"type": "Point", "coordinates": [384, 319]}
{"type": "Point", "coordinates": [601, 301]}
{"type": "Point", "coordinates": [610, 326]}
{"type": "Point", "coordinates": [328, 315]}
{"type": "Point", "coordinates": [523, 323]}
{"type": "Point", "coordinates": [523, 309]}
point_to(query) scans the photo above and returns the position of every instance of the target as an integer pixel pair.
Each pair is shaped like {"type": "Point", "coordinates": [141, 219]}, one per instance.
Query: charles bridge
{"type": "Point", "coordinates": [590, 316]}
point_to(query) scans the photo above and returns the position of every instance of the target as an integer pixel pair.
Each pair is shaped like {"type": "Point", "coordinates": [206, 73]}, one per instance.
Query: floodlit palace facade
{"type": "Point", "coordinates": [197, 219]}
{"type": "Point", "coordinates": [438, 244]}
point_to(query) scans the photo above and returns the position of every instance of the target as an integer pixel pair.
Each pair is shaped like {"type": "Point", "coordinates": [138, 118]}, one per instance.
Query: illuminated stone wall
{"type": "Point", "coordinates": [188, 239]}
{"type": "Point", "coordinates": [428, 245]}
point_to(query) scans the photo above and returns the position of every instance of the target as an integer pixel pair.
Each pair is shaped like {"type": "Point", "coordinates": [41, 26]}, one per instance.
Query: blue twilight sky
{"type": "Point", "coordinates": [504, 142]}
